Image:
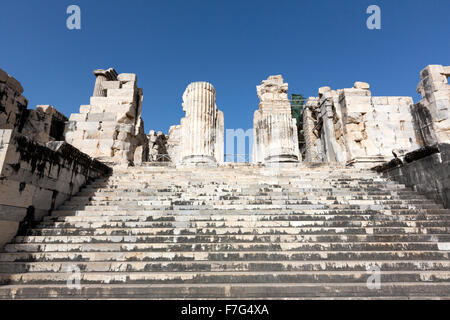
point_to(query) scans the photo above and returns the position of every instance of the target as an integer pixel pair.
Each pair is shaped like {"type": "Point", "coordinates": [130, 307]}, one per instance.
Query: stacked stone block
{"type": "Point", "coordinates": [356, 128]}
{"type": "Point", "coordinates": [110, 128]}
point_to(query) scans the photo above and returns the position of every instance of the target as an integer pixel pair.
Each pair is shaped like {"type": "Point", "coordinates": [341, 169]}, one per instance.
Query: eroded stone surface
{"type": "Point", "coordinates": [352, 127]}
{"type": "Point", "coordinates": [432, 113]}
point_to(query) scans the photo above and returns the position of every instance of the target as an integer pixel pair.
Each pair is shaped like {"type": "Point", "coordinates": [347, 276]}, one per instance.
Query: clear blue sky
{"type": "Point", "coordinates": [233, 44]}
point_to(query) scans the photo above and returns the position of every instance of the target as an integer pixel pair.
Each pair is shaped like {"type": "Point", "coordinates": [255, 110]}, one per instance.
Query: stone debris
{"type": "Point", "coordinates": [275, 131]}
{"type": "Point", "coordinates": [111, 128]}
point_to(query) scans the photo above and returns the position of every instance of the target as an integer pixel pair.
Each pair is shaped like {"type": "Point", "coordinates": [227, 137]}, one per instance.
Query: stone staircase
{"type": "Point", "coordinates": [235, 232]}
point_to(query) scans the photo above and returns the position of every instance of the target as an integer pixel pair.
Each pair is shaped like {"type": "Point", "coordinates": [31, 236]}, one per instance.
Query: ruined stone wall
{"type": "Point", "coordinates": [35, 179]}
{"type": "Point", "coordinates": [13, 104]}
{"type": "Point", "coordinates": [356, 128]}
{"type": "Point", "coordinates": [111, 128]}
{"type": "Point", "coordinates": [275, 131]}
{"type": "Point", "coordinates": [432, 113]}
{"type": "Point", "coordinates": [43, 124]}
{"type": "Point", "coordinates": [426, 170]}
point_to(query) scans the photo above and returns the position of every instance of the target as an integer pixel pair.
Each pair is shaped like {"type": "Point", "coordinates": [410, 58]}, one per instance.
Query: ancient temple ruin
{"type": "Point", "coordinates": [275, 132]}
{"type": "Point", "coordinates": [157, 216]}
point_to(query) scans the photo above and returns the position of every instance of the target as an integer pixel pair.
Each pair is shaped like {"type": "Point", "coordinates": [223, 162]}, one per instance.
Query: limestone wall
{"type": "Point", "coordinates": [426, 171]}
{"type": "Point", "coordinates": [111, 128]}
{"type": "Point", "coordinates": [432, 113]}
{"type": "Point", "coordinates": [35, 179]}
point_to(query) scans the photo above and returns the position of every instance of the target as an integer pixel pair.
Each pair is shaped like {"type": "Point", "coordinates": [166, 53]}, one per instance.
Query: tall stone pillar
{"type": "Point", "coordinates": [199, 128]}
{"type": "Point", "coordinates": [275, 130]}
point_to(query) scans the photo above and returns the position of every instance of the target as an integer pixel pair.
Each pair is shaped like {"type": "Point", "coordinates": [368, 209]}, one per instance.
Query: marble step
{"type": "Point", "coordinates": [227, 230]}
{"type": "Point", "coordinates": [240, 224]}
{"type": "Point", "coordinates": [222, 266]}
{"type": "Point", "coordinates": [209, 215]}
{"type": "Point", "coordinates": [266, 253]}
{"type": "Point", "coordinates": [230, 238]}
{"type": "Point", "coordinates": [333, 213]}
{"type": "Point", "coordinates": [389, 290]}
{"type": "Point", "coordinates": [225, 277]}
{"type": "Point", "coordinates": [173, 248]}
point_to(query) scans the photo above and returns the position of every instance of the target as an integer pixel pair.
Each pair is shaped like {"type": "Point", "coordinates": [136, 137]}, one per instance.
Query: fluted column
{"type": "Point", "coordinates": [199, 125]}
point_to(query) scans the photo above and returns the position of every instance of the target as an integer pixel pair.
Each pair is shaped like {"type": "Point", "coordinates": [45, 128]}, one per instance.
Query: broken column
{"type": "Point", "coordinates": [202, 133]}
{"type": "Point", "coordinates": [275, 131]}
{"type": "Point", "coordinates": [111, 128]}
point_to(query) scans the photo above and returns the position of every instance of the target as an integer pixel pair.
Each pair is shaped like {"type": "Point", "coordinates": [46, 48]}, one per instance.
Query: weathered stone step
{"type": "Point", "coordinates": [229, 291]}
{"type": "Point", "coordinates": [223, 266]}
{"type": "Point", "coordinates": [308, 216]}
{"type": "Point", "coordinates": [224, 277]}
{"type": "Point", "coordinates": [288, 196]}
{"type": "Point", "coordinates": [249, 203]}
{"type": "Point", "coordinates": [255, 190]}
{"type": "Point", "coordinates": [304, 205]}
{"type": "Point", "coordinates": [172, 248]}
{"type": "Point", "coordinates": [206, 194]}
{"type": "Point", "coordinates": [235, 238]}
{"type": "Point", "coordinates": [241, 231]}
{"type": "Point", "coordinates": [334, 213]}
{"type": "Point", "coordinates": [218, 252]}
{"type": "Point", "coordinates": [238, 223]}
